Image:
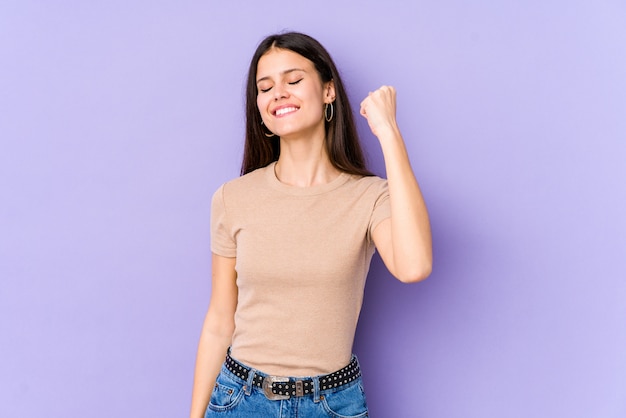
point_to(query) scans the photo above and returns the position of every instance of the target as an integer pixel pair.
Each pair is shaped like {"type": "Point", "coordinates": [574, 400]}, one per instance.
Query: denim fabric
{"type": "Point", "coordinates": [233, 397]}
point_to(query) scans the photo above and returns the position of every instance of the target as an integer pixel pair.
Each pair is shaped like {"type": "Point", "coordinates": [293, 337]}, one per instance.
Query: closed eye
{"type": "Point", "coordinates": [292, 83]}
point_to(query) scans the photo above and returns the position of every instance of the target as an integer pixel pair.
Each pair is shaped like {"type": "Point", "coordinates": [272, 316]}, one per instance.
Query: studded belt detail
{"type": "Point", "coordinates": [277, 387]}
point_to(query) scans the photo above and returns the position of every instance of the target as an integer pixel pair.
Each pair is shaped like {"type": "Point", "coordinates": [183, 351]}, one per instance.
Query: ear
{"type": "Point", "coordinates": [329, 91]}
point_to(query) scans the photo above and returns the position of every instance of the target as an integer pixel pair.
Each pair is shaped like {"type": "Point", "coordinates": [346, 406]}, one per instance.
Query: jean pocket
{"type": "Point", "coordinates": [348, 402]}
{"type": "Point", "coordinates": [226, 394]}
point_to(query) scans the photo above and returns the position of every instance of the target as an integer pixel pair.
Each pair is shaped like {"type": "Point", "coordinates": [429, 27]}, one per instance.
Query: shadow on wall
{"type": "Point", "coordinates": [403, 323]}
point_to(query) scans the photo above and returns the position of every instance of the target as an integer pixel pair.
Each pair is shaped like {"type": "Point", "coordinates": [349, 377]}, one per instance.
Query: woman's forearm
{"type": "Point", "coordinates": [410, 226]}
{"type": "Point", "coordinates": [217, 332]}
{"type": "Point", "coordinates": [211, 354]}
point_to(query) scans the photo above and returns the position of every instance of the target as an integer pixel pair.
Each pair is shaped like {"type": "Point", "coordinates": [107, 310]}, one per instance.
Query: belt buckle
{"type": "Point", "coordinates": [268, 381]}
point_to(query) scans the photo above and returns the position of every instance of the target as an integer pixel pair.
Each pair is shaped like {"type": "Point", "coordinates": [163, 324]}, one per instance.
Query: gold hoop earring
{"type": "Point", "coordinates": [332, 112]}
{"type": "Point", "coordinates": [265, 131]}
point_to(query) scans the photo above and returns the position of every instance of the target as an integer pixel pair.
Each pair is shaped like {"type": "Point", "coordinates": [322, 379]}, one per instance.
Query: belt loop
{"type": "Point", "coordinates": [249, 382]}
{"type": "Point", "coordinates": [316, 389]}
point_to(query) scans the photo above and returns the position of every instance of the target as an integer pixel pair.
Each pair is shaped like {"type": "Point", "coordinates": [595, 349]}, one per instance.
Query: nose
{"type": "Point", "coordinates": [280, 92]}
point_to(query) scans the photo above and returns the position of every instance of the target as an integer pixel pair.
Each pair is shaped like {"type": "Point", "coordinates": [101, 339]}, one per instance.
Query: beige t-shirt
{"type": "Point", "coordinates": [302, 258]}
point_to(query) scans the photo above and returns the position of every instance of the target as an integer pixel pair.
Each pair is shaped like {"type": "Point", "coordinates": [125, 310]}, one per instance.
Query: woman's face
{"type": "Point", "coordinates": [291, 95]}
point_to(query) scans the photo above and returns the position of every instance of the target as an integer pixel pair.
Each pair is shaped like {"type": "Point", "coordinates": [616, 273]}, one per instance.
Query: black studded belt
{"type": "Point", "coordinates": [277, 387]}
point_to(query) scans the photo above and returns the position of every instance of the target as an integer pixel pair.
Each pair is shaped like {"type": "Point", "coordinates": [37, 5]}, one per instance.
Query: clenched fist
{"type": "Point", "coordinates": [379, 108]}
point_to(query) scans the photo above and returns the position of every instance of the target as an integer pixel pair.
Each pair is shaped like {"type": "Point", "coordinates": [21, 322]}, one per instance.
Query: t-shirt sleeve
{"type": "Point", "coordinates": [382, 208]}
{"type": "Point", "coordinates": [222, 239]}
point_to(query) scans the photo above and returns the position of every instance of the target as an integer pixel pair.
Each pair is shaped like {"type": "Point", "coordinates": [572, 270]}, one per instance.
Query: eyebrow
{"type": "Point", "coordinates": [282, 73]}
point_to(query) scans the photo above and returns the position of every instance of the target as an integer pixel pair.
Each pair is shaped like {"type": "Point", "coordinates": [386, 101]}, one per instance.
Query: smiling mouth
{"type": "Point", "coordinates": [285, 110]}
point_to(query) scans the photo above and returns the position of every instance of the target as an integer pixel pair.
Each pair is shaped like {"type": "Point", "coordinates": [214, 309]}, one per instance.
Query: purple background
{"type": "Point", "coordinates": [119, 119]}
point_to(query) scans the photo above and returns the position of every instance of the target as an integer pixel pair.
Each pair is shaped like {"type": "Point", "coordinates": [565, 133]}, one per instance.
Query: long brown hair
{"type": "Point", "coordinates": [342, 141]}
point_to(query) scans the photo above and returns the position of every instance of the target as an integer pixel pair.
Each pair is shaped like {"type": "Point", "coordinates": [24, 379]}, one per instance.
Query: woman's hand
{"type": "Point", "coordinates": [379, 108]}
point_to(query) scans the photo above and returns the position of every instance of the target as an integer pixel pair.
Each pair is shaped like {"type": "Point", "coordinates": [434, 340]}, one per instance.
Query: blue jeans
{"type": "Point", "coordinates": [233, 397]}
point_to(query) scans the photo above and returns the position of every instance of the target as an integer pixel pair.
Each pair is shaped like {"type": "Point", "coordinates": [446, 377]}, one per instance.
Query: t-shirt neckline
{"type": "Point", "coordinates": [304, 191]}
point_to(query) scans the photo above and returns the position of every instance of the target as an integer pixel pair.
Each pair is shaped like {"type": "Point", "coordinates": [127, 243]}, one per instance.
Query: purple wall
{"type": "Point", "coordinates": [118, 119]}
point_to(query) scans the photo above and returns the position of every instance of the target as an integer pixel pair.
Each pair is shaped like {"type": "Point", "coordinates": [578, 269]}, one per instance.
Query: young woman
{"type": "Point", "coordinates": [293, 237]}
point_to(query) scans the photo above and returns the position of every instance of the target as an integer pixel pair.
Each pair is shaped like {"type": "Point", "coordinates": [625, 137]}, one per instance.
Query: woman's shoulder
{"type": "Point", "coordinates": [369, 182]}
{"type": "Point", "coordinates": [246, 183]}
{"type": "Point", "coordinates": [364, 188]}
{"type": "Point", "coordinates": [374, 179]}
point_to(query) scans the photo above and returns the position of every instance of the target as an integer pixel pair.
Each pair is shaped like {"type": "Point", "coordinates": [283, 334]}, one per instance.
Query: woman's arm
{"type": "Point", "coordinates": [217, 332]}
{"type": "Point", "coordinates": [404, 240]}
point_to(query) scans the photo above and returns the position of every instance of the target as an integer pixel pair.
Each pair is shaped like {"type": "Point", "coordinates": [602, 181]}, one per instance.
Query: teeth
{"type": "Point", "coordinates": [284, 110]}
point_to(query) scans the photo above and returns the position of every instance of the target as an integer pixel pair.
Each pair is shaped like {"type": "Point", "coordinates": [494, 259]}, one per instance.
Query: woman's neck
{"type": "Point", "coordinates": [304, 163]}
